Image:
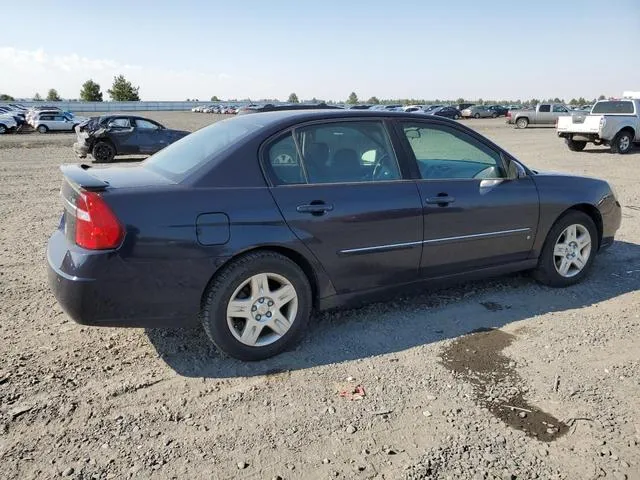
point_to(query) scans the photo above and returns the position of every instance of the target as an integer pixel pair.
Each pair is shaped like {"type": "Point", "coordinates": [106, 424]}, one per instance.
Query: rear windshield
{"type": "Point", "coordinates": [613, 107]}
{"type": "Point", "coordinates": [183, 157]}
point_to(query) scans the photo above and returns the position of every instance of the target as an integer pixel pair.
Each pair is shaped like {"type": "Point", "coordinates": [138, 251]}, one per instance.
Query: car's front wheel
{"type": "Point", "coordinates": [257, 306]}
{"type": "Point", "coordinates": [103, 152]}
{"type": "Point", "coordinates": [568, 251]}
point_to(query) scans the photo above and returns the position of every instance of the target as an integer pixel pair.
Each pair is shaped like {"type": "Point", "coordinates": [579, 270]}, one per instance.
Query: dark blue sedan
{"type": "Point", "coordinates": [249, 224]}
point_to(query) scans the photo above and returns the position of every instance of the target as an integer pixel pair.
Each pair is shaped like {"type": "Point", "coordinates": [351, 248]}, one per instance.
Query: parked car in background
{"type": "Point", "coordinates": [7, 123]}
{"type": "Point", "coordinates": [463, 106]}
{"type": "Point", "coordinates": [478, 111]}
{"type": "Point", "coordinates": [269, 107]}
{"type": "Point", "coordinates": [244, 229]}
{"type": "Point", "coordinates": [542, 114]}
{"type": "Point", "coordinates": [448, 111]}
{"type": "Point", "coordinates": [46, 122]}
{"type": "Point", "coordinates": [611, 122]}
{"type": "Point", "coordinates": [499, 110]}
{"type": "Point", "coordinates": [110, 135]}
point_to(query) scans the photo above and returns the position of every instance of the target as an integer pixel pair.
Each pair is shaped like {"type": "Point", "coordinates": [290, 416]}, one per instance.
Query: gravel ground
{"type": "Point", "coordinates": [422, 397]}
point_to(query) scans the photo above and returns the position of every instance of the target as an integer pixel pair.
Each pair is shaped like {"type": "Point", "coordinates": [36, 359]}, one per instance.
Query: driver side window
{"type": "Point", "coordinates": [446, 153]}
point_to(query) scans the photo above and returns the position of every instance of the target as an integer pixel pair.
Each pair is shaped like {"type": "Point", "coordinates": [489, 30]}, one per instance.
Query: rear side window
{"type": "Point", "coordinates": [544, 108]}
{"type": "Point", "coordinates": [145, 124]}
{"type": "Point", "coordinates": [285, 161]}
{"type": "Point", "coordinates": [559, 109]}
{"type": "Point", "coordinates": [612, 106]}
{"type": "Point", "coordinates": [119, 123]}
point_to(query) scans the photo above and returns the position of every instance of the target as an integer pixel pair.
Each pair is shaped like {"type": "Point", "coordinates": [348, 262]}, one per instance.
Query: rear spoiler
{"type": "Point", "coordinates": [78, 175]}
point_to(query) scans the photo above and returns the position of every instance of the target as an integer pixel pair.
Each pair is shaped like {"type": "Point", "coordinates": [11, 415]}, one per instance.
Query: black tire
{"type": "Point", "coordinates": [3, 128]}
{"type": "Point", "coordinates": [623, 142]}
{"type": "Point", "coordinates": [42, 129]}
{"type": "Point", "coordinates": [103, 152]}
{"type": "Point", "coordinates": [213, 313]}
{"type": "Point", "coordinates": [494, 115]}
{"type": "Point", "coordinates": [546, 272]}
{"type": "Point", "coordinates": [522, 122]}
{"type": "Point", "coordinates": [576, 145]}
{"type": "Point", "coordinates": [456, 117]}
{"type": "Point", "coordinates": [476, 116]}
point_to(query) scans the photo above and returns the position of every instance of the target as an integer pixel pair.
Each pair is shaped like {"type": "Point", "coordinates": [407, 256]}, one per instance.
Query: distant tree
{"type": "Point", "coordinates": [582, 101]}
{"type": "Point", "coordinates": [123, 91]}
{"type": "Point", "coordinates": [215, 99]}
{"type": "Point", "coordinates": [353, 98]}
{"type": "Point", "coordinates": [90, 92]}
{"type": "Point", "coordinates": [480, 101]}
{"type": "Point", "coordinates": [602, 97]}
{"type": "Point", "coordinates": [460, 100]}
{"type": "Point", "coordinates": [6, 98]}
{"type": "Point", "coordinates": [557, 100]}
{"type": "Point", "coordinates": [315, 100]}
{"type": "Point", "coordinates": [293, 98]}
{"type": "Point", "coordinates": [52, 95]}
{"type": "Point", "coordinates": [573, 101]}
{"type": "Point", "coordinates": [534, 101]}
{"type": "Point", "coordinates": [37, 97]}
{"type": "Point", "coordinates": [374, 101]}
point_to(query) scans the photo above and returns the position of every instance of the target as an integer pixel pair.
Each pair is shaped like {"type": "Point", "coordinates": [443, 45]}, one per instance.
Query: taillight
{"type": "Point", "coordinates": [97, 228]}
{"type": "Point", "coordinates": [508, 114]}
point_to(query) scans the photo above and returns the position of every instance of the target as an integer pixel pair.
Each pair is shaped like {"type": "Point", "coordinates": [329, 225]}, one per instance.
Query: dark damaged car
{"type": "Point", "coordinates": [107, 136]}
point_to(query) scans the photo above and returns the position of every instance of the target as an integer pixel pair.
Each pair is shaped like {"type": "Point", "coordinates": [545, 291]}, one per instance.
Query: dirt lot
{"type": "Point", "coordinates": [436, 402]}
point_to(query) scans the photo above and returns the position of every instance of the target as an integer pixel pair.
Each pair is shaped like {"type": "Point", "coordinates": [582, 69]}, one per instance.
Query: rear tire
{"type": "Point", "coordinates": [456, 117]}
{"type": "Point", "coordinates": [42, 129]}
{"type": "Point", "coordinates": [622, 142]}
{"type": "Point", "coordinates": [522, 122]}
{"type": "Point", "coordinates": [559, 251]}
{"type": "Point", "coordinates": [266, 322]}
{"type": "Point", "coordinates": [3, 129]}
{"type": "Point", "coordinates": [494, 115]}
{"type": "Point", "coordinates": [476, 116]}
{"type": "Point", "coordinates": [576, 145]}
{"type": "Point", "coordinates": [103, 152]}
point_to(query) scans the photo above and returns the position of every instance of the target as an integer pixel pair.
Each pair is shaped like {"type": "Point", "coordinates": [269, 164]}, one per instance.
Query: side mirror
{"type": "Point", "coordinates": [514, 170]}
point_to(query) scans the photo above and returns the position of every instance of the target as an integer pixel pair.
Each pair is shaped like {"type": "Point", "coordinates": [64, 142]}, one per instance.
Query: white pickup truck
{"type": "Point", "coordinates": [611, 122]}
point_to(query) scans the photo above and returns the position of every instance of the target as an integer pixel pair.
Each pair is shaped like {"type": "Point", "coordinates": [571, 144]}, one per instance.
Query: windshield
{"type": "Point", "coordinates": [186, 155]}
{"type": "Point", "coordinates": [613, 107]}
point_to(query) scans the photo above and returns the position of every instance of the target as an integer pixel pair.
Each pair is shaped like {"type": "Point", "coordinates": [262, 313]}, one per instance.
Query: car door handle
{"type": "Point", "coordinates": [315, 208]}
{"type": "Point", "coordinates": [440, 200]}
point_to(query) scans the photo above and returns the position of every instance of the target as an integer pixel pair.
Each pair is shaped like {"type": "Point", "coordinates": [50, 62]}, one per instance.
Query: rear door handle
{"type": "Point", "coordinates": [440, 200]}
{"type": "Point", "coordinates": [315, 208]}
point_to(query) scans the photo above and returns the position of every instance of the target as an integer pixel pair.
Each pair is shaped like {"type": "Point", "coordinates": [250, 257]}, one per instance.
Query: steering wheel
{"type": "Point", "coordinates": [380, 170]}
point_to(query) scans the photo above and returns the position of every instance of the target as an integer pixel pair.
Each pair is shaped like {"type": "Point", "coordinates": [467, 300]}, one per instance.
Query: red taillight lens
{"type": "Point", "coordinates": [97, 228]}
{"type": "Point", "coordinates": [508, 114]}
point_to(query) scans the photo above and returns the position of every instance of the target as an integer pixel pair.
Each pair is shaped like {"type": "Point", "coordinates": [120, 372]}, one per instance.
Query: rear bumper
{"type": "Point", "coordinates": [99, 289]}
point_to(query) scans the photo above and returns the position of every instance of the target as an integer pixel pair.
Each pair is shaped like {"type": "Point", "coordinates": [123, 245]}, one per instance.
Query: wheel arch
{"type": "Point", "coordinates": [296, 257]}
{"type": "Point", "coordinates": [630, 129]}
{"type": "Point", "coordinates": [593, 213]}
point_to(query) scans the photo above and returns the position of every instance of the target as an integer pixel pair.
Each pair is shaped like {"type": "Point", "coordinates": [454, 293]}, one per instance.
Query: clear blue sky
{"type": "Point", "coordinates": [264, 49]}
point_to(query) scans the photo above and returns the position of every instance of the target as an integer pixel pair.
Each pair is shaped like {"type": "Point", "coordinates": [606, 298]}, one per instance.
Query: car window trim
{"type": "Point", "coordinates": [471, 133]}
{"type": "Point", "coordinates": [270, 176]}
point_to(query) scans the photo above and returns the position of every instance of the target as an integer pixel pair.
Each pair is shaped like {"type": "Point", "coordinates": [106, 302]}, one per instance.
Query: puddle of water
{"type": "Point", "coordinates": [478, 359]}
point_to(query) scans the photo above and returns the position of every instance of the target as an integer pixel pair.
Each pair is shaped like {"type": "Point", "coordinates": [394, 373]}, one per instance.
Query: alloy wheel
{"type": "Point", "coordinates": [262, 309]}
{"type": "Point", "coordinates": [572, 250]}
{"type": "Point", "coordinates": [624, 142]}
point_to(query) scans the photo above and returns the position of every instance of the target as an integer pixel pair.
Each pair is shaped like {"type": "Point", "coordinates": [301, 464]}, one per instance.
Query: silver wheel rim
{"type": "Point", "coordinates": [42, 129]}
{"type": "Point", "coordinates": [572, 250]}
{"type": "Point", "coordinates": [624, 142]}
{"type": "Point", "coordinates": [521, 123]}
{"type": "Point", "coordinates": [262, 309]}
{"type": "Point", "coordinates": [2, 129]}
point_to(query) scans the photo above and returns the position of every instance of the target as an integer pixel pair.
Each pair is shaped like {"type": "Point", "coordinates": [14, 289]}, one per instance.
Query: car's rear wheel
{"type": "Point", "coordinates": [103, 152]}
{"type": "Point", "coordinates": [576, 145]}
{"type": "Point", "coordinates": [257, 306]}
{"type": "Point", "coordinates": [3, 129]}
{"type": "Point", "coordinates": [622, 142]}
{"type": "Point", "coordinates": [477, 115]}
{"type": "Point", "coordinates": [568, 251]}
{"type": "Point", "coordinates": [522, 122]}
{"type": "Point", "coordinates": [456, 117]}
{"type": "Point", "coordinates": [494, 115]}
{"type": "Point", "coordinates": [42, 129]}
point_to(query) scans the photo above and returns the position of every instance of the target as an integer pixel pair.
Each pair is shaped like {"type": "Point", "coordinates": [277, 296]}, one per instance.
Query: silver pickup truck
{"type": "Point", "coordinates": [543, 114]}
{"type": "Point", "coordinates": [611, 122]}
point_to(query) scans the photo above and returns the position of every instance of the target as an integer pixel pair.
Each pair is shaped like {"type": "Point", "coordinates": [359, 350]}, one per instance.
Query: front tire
{"type": "Point", "coordinates": [476, 116]}
{"type": "Point", "coordinates": [522, 122]}
{"type": "Point", "coordinates": [622, 142]}
{"type": "Point", "coordinates": [568, 251]}
{"type": "Point", "coordinates": [257, 306]}
{"type": "Point", "coordinates": [576, 145]}
{"type": "Point", "coordinates": [103, 152]}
